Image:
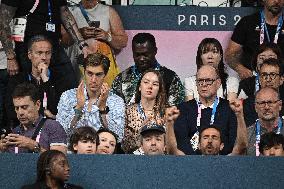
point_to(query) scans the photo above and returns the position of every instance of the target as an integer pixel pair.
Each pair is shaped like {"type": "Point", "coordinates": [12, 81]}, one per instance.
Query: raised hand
{"type": "Point", "coordinates": [43, 70]}
{"type": "Point", "coordinates": [172, 114]}
{"type": "Point", "coordinates": [80, 96]}
{"type": "Point", "coordinates": [103, 97]}
{"type": "Point", "coordinates": [12, 66]}
{"type": "Point", "coordinates": [237, 106]}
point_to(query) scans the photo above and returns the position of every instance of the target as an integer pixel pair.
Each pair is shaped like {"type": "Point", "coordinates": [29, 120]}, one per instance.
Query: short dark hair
{"type": "Point", "coordinates": [102, 130]}
{"type": "Point", "coordinates": [26, 89]}
{"type": "Point", "coordinates": [211, 127]}
{"type": "Point", "coordinates": [83, 133]}
{"type": "Point", "coordinates": [273, 62]}
{"type": "Point", "coordinates": [44, 163]}
{"type": "Point", "coordinates": [264, 47]}
{"type": "Point", "coordinates": [270, 139]}
{"type": "Point", "coordinates": [97, 59]}
{"type": "Point", "coordinates": [143, 38]}
{"type": "Point", "coordinates": [38, 38]}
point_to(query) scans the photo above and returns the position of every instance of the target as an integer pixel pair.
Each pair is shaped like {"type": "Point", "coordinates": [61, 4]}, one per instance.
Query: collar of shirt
{"type": "Point", "coordinates": [137, 72]}
{"type": "Point", "coordinates": [204, 107]}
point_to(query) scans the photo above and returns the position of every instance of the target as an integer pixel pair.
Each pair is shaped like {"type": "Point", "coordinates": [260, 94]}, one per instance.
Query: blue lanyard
{"type": "Point", "coordinates": [257, 131]}
{"type": "Point", "coordinates": [49, 10]}
{"type": "Point", "coordinates": [84, 13]}
{"type": "Point", "coordinates": [216, 102]}
{"type": "Point", "coordinates": [256, 83]}
{"type": "Point", "coordinates": [264, 29]}
{"type": "Point", "coordinates": [141, 111]}
{"type": "Point", "coordinates": [30, 76]}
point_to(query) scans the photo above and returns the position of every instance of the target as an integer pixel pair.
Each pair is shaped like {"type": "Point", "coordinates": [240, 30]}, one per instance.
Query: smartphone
{"type": "Point", "coordinates": [94, 24]}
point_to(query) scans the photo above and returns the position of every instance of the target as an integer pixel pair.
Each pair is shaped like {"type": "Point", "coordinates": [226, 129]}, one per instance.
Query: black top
{"type": "Point", "coordinates": [36, 22]}
{"type": "Point", "coordinates": [39, 185]}
{"type": "Point", "coordinates": [53, 87]}
{"type": "Point", "coordinates": [247, 33]}
{"type": "Point", "coordinates": [185, 125]}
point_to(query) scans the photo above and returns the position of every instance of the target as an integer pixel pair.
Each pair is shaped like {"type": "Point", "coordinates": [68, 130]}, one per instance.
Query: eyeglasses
{"type": "Point", "coordinates": [262, 104]}
{"type": "Point", "coordinates": [207, 81]}
{"type": "Point", "coordinates": [271, 75]}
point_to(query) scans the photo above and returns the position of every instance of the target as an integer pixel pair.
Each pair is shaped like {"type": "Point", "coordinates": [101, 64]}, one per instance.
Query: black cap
{"type": "Point", "coordinates": [152, 126]}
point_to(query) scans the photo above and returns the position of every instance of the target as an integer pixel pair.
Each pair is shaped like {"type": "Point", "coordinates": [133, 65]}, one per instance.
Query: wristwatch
{"type": "Point", "coordinates": [82, 45]}
{"type": "Point", "coordinates": [37, 148]}
{"type": "Point", "coordinates": [105, 111]}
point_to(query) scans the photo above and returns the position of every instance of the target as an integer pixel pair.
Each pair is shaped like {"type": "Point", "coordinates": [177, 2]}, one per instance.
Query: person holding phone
{"type": "Point", "coordinates": [50, 85]}
{"type": "Point", "coordinates": [101, 27]}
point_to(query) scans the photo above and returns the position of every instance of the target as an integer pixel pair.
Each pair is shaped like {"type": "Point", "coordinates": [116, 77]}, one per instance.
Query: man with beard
{"type": "Point", "coordinates": [253, 30]}
{"type": "Point", "coordinates": [144, 54]}
{"type": "Point", "coordinates": [208, 110]}
{"type": "Point", "coordinates": [210, 138]}
{"type": "Point", "coordinates": [267, 106]}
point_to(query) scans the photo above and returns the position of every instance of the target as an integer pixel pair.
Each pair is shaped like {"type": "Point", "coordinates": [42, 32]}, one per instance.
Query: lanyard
{"type": "Point", "coordinates": [34, 7]}
{"type": "Point", "coordinates": [256, 83]}
{"type": "Point", "coordinates": [216, 102]}
{"type": "Point", "coordinates": [84, 13]}
{"type": "Point", "coordinates": [49, 10]}
{"type": "Point", "coordinates": [264, 29]}
{"type": "Point", "coordinates": [141, 111]}
{"type": "Point", "coordinates": [257, 133]}
{"type": "Point", "coordinates": [30, 76]}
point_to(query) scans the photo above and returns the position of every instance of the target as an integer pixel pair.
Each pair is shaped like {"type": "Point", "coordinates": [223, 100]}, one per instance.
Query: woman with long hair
{"type": "Point", "coordinates": [210, 52]}
{"type": "Point", "coordinates": [150, 103]}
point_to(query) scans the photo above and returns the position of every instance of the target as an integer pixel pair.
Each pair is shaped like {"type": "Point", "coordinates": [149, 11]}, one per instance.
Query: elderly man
{"type": "Point", "coordinates": [253, 30]}
{"type": "Point", "coordinates": [35, 133]}
{"type": "Point", "coordinates": [91, 104]}
{"type": "Point", "coordinates": [144, 54]}
{"type": "Point", "coordinates": [153, 139]}
{"type": "Point", "coordinates": [209, 110]}
{"type": "Point", "coordinates": [50, 86]}
{"type": "Point", "coordinates": [267, 106]}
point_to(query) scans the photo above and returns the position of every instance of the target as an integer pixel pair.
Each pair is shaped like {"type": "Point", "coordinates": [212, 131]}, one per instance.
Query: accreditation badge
{"type": "Point", "coordinates": [19, 28]}
{"type": "Point", "coordinates": [50, 27]}
{"type": "Point", "coordinates": [194, 141]}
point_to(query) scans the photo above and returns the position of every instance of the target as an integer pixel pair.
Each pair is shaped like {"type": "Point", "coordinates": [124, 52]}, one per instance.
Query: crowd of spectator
{"type": "Point", "coordinates": [145, 109]}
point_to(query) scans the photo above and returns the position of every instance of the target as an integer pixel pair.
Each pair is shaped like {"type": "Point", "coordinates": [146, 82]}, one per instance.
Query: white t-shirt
{"type": "Point", "coordinates": [3, 58]}
{"type": "Point", "coordinates": [191, 88]}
